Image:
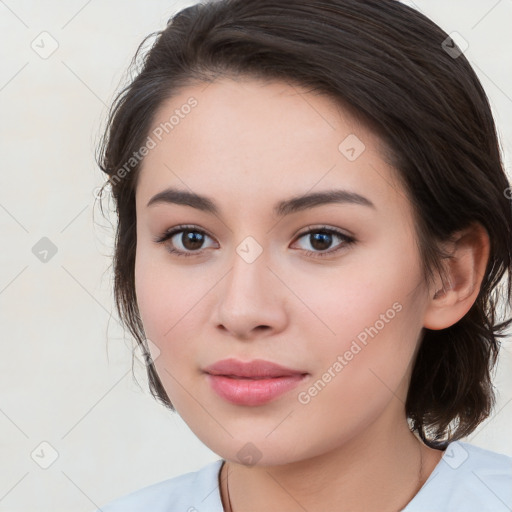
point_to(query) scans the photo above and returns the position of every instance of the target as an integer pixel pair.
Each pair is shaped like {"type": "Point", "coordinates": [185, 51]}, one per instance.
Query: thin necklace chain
{"type": "Point", "coordinates": [418, 484]}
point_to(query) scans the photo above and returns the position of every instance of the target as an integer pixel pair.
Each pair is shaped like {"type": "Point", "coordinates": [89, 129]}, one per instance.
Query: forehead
{"type": "Point", "coordinates": [264, 139]}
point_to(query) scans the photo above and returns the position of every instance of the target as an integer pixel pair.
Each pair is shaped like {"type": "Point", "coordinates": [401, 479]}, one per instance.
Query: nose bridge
{"type": "Point", "coordinates": [249, 266]}
{"type": "Point", "coordinates": [248, 296]}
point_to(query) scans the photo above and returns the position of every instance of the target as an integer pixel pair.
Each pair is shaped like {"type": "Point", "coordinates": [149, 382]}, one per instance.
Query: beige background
{"type": "Point", "coordinates": [61, 382]}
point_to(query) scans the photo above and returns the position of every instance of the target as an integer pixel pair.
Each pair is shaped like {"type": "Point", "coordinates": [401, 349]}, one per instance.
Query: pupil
{"type": "Point", "coordinates": [323, 238]}
{"type": "Point", "coordinates": [192, 238]}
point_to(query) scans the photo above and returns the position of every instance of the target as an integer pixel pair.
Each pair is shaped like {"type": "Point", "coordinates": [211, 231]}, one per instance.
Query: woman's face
{"type": "Point", "coordinates": [265, 278]}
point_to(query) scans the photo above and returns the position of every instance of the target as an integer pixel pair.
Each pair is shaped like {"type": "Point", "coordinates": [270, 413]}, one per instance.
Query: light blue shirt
{"type": "Point", "coordinates": [466, 479]}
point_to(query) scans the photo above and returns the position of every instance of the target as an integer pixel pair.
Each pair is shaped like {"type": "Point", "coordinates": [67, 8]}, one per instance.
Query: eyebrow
{"type": "Point", "coordinates": [286, 207]}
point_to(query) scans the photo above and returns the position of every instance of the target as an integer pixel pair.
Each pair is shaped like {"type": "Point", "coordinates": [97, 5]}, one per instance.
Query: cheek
{"type": "Point", "coordinates": [151, 297]}
{"type": "Point", "coordinates": [171, 305]}
{"type": "Point", "coordinates": [165, 310]}
{"type": "Point", "coordinates": [160, 298]}
{"type": "Point", "coordinates": [164, 293]}
{"type": "Point", "coordinates": [373, 318]}
{"type": "Point", "coordinates": [362, 298]}
{"type": "Point", "coordinates": [361, 370]}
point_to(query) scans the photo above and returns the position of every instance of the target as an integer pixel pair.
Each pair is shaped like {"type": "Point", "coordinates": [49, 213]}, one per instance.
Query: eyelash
{"type": "Point", "coordinates": [348, 240]}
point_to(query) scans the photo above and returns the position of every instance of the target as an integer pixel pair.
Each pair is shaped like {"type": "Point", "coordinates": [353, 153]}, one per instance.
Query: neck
{"type": "Point", "coordinates": [380, 470]}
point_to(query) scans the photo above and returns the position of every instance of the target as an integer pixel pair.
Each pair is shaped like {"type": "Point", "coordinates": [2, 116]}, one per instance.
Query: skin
{"type": "Point", "coordinates": [247, 145]}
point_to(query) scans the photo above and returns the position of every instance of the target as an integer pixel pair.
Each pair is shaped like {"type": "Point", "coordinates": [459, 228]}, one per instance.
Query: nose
{"type": "Point", "coordinates": [251, 300]}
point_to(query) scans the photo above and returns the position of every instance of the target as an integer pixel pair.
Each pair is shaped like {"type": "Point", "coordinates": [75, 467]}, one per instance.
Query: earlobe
{"type": "Point", "coordinates": [464, 272]}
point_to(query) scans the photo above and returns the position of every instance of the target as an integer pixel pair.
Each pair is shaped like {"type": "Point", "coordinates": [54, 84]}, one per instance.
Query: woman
{"type": "Point", "coordinates": [313, 224]}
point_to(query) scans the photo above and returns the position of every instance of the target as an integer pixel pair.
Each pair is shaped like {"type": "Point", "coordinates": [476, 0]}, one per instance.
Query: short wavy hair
{"type": "Point", "coordinates": [402, 74]}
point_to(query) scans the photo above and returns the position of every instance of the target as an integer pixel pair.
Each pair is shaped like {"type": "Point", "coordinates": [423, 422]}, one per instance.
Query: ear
{"type": "Point", "coordinates": [464, 270]}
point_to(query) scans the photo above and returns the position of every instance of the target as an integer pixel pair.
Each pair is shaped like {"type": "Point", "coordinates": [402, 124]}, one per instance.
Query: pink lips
{"type": "Point", "coordinates": [253, 383]}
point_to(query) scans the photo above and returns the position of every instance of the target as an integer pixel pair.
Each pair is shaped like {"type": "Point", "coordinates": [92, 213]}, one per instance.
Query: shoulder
{"type": "Point", "coordinates": [467, 478]}
{"type": "Point", "coordinates": [480, 457]}
{"type": "Point", "coordinates": [190, 492]}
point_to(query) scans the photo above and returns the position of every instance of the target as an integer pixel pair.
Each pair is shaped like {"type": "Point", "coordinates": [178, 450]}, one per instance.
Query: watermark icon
{"type": "Point", "coordinates": [304, 397]}
{"type": "Point", "coordinates": [455, 455]}
{"type": "Point", "coordinates": [44, 249]}
{"type": "Point", "coordinates": [249, 454]}
{"type": "Point", "coordinates": [351, 147]}
{"type": "Point", "coordinates": [98, 192]}
{"type": "Point", "coordinates": [44, 45]}
{"type": "Point", "coordinates": [249, 249]}
{"type": "Point", "coordinates": [153, 139]}
{"type": "Point", "coordinates": [44, 455]}
{"type": "Point", "coordinates": [143, 356]}
{"type": "Point", "coordinates": [454, 45]}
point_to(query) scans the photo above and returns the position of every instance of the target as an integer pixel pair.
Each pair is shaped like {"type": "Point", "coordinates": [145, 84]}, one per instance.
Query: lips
{"type": "Point", "coordinates": [254, 383]}
{"type": "Point", "coordinates": [255, 369]}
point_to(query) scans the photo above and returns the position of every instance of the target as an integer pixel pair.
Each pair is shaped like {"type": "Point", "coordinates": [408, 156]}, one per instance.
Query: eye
{"type": "Point", "coordinates": [188, 237]}
{"type": "Point", "coordinates": [188, 240]}
{"type": "Point", "coordinates": [321, 238]}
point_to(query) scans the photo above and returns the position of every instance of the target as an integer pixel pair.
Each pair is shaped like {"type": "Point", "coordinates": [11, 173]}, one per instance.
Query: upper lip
{"type": "Point", "coordinates": [255, 368]}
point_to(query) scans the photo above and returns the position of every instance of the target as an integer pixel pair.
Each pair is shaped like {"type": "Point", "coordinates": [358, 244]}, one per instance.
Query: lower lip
{"type": "Point", "coordinates": [241, 391]}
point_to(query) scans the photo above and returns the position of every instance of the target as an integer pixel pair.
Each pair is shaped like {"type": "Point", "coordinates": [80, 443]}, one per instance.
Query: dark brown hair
{"type": "Point", "coordinates": [398, 71]}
